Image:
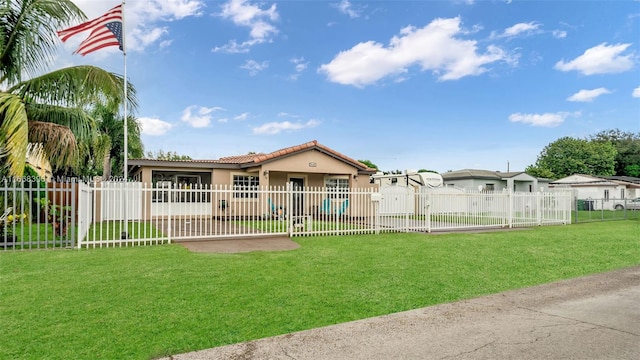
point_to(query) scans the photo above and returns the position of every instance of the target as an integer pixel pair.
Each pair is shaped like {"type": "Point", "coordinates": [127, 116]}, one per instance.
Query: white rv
{"type": "Point", "coordinates": [398, 190]}
{"type": "Point", "coordinates": [408, 178]}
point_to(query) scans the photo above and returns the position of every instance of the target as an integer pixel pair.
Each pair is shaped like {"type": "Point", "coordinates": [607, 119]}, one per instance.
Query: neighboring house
{"type": "Point", "coordinates": [308, 164]}
{"type": "Point", "coordinates": [606, 191]}
{"type": "Point", "coordinates": [485, 180]}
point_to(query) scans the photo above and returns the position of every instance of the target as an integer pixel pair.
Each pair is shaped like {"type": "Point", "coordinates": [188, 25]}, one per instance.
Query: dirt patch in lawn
{"type": "Point", "coordinates": [279, 243]}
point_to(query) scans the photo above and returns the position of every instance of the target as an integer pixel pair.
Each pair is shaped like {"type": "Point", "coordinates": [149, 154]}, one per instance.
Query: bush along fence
{"type": "Point", "coordinates": [77, 214]}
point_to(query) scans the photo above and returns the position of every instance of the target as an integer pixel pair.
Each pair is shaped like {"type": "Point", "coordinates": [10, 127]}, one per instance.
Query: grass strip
{"type": "Point", "coordinates": [146, 302]}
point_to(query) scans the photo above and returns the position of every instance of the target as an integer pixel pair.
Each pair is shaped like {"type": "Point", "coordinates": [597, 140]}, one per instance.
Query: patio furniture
{"type": "Point", "coordinates": [277, 212]}
{"type": "Point", "coordinates": [343, 207]}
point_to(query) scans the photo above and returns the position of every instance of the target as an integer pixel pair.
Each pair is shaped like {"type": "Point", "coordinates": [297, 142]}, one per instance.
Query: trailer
{"type": "Point", "coordinates": [399, 190]}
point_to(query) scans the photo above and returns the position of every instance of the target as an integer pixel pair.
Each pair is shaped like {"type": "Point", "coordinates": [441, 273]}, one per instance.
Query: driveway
{"type": "Point", "coordinates": [592, 317]}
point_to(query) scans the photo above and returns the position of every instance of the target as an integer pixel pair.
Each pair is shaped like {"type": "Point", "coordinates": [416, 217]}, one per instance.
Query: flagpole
{"type": "Point", "coordinates": [126, 137]}
{"type": "Point", "coordinates": [125, 172]}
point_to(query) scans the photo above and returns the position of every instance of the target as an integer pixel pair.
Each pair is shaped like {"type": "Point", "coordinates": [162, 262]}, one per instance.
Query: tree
{"type": "Point", "coordinates": [108, 143]}
{"type": "Point", "coordinates": [427, 170]}
{"type": "Point", "coordinates": [49, 109]}
{"type": "Point", "coordinates": [632, 170]}
{"type": "Point", "coordinates": [538, 172]}
{"type": "Point", "coordinates": [567, 156]}
{"type": "Point", "coordinates": [170, 156]}
{"type": "Point", "coordinates": [627, 145]}
{"type": "Point", "coordinates": [369, 164]}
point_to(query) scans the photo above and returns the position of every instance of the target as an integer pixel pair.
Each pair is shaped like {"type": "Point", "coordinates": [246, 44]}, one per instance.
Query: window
{"type": "Point", "coordinates": [338, 186]}
{"type": "Point", "coordinates": [489, 187]}
{"type": "Point", "coordinates": [606, 195]}
{"type": "Point", "coordinates": [185, 186]}
{"type": "Point", "coordinates": [245, 186]}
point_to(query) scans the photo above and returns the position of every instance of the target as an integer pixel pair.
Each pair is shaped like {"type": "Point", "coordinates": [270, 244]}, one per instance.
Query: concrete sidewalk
{"type": "Point", "coordinates": [593, 317]}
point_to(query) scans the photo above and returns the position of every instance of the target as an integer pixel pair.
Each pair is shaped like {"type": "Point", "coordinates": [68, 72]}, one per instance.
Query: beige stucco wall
{"type": "Point", "coordinates": [314, 167]}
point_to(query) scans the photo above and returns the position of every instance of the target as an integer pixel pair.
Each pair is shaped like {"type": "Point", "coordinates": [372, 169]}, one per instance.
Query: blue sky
{"type": "Point", "coordinates": [440, 85]}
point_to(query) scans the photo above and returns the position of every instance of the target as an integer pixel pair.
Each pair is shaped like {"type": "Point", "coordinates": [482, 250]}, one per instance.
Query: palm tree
{"type": "Point", "coordinates": [51, 108]}
{"type": "Point", "coordinates": [108, 143]}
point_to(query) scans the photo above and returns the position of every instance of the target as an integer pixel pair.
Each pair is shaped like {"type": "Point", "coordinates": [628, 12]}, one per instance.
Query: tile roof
{"type": "Point", "coordinates": [255, 159]}
{"type": "Point", "coordinates": [239, 159]}
{"type": "Point", "coordinates": [470, 173]}
{"type": "Point", "coordinates": [480, 174]}
{"type": "Point", "coordinates": [311, 145]}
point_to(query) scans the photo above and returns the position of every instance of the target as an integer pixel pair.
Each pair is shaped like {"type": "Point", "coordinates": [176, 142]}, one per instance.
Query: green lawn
{"type": "Point", "coordinates": [145, 302]}
{"type": "Point", "coordinates": [41, 235]}
{"type": "Point", "coordinates": [109, 230]}
{"type": "Point", "coordinates": [603, 215]}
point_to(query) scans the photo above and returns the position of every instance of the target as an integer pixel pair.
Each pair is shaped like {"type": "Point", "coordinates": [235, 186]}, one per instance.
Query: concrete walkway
{"type": "Point", "coordinates": [593, 317]}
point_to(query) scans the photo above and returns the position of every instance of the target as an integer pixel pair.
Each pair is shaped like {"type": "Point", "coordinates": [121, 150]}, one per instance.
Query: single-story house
{"type": "Point", "coordinates": [606, 191]}
{"type": "Point", "coordinates": [485, 180]}
{"type": "Point", "coordinates": [308, 164]}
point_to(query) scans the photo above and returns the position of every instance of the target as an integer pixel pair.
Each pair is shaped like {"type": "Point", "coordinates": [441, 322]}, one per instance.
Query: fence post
{"type": "Point", "coordinates": [170, 201]}
{"type": "Point", "coordinates": [287, 214]}
{"type": "Point", "coordinates": [429, 213]}
{"type": "Point", "coordinates": [510, 201]}
{"type": "Point", "coordinates": [539, 207]}
{"type": "Point", "coordinates": [74, 211]}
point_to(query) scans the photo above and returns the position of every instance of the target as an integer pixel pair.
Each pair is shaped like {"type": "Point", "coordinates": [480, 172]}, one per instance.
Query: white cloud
{"type": "Point", "coordinates": [173, 9]}
{"type": "Point", "coordinates": [285, 114]}
{"type": "Point", "coordinates": [588, 95]}
{"type": "Point", "coordinates": [254, 67]}
{"type": "Point", "coordinates": [146, 37]}
{"type": "Point", "coordinates": [273, 128]}
{"type": "Point", "coordinates": [519, 28]}
{"type": "Point", "coordinates": [559, 34]}
{"type": "Point", "coordinates": [636, 92]}
{"type": "Point", "coordinates": [347, 8]}
{"type": "Point", "coordinates": [259, 22]}
{"type": "Point", "coordinates": [165, 44]}
{"type": "Point", "coordinates": [232, 47]}
{"type": "Point", "coordinates": [153, 127]}
{"type": "Point", "coordinates": [600, 59]}
{"type": "Point", "coordinates": [544, 120]}
{"type": "Point", "coordinates": [241, 117]}
{"type": "Point", "coordinates": [433, 47]}
{"type": "Point", "coordinates": [300, 65]}
{"type": "Point", "coordinates": [198, 117]}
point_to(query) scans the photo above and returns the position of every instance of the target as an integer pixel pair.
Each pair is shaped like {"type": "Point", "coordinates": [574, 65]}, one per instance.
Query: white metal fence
{"type": "Point", "coordinates": [35, 214]}
{"type": "Point", "coordinates": [76, 214]}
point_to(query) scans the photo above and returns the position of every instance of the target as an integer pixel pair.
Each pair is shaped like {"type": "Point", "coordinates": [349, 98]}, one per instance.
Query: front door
{"type": "Point", "coordinates": [298, 197]}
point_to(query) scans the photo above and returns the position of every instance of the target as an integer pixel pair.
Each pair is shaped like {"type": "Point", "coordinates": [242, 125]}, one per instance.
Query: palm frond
{"type": "Point", "coordinates": [77, 86]}
{"type": "Point", "coordinates": [82, 125]}
{"type": "Point", "coordinates": [57, 141]}
{"type": "Point", "coordinates": [14, 136]}
{"type": "Point", "coordinates": [28, 38]}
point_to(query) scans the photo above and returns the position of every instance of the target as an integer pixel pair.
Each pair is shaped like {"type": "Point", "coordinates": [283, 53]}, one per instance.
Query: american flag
{"type": "Point", "coordinates": [106, 30]}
